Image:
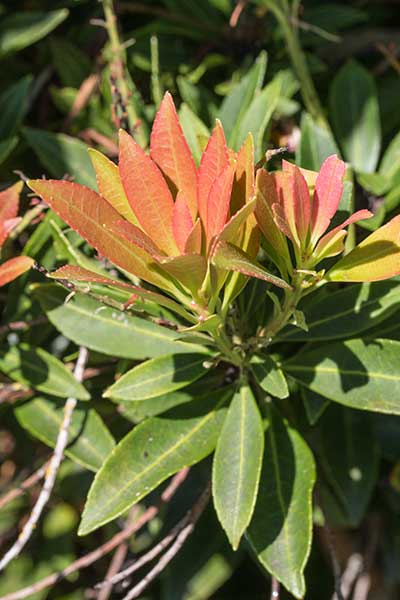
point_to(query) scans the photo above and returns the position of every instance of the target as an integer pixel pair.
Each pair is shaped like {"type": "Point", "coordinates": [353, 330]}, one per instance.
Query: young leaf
{"type": "Point", "coordinates": [147, 192]}
{"type": "Point", "coordinates": [36, 368]}
{"type": "Point", "coordinates": [149, 454]}
{"type": "Point", "coordinates": [357, 373]}
{"type": "Point", "coordinates": [228, 257]}
{"type": "Point", "coordinates": [237, 465]}
{"type": "Point", "coordinates": [269, 376]}
{"type": "Point", "coordinates": [169, 149]}
{"type": "Point", "coordinates": [158, 376]}
{"type": "Point", "coordinates": [95, 220]}
{"type": "Point", "coordinates": [218, 202]}
{"type": "Point", "coordinates": [90, 442]}
{"type": "Point", "coordinates": [13, 268]}
{"type": "Point", "coordinates": [188, 269]}
{"type": "Point", "coordinates": [182, 222]}
{"type": "Point", "coordinates": [327, 194]}
{"type": "Point", "coordinates": [243, 181]}
{"type": "Point", "coordinates": [375, 258]}
{"type": "Point", "coordinates": [280, 532]}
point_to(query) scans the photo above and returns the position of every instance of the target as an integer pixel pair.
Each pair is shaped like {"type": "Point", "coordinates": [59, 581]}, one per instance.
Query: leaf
{"type": "Point", "coordinates": [6, 147]}
{"type": "Point", "coordinates": [169, 149]}
{"type": "Point", "coordinates": [238, 100]}
{"type": "Point", "coordinates": [357, 373]}
{"type": "Point", "coordinates": [218, 202]}
{"type": "Point", "coordinates": [152, 452]}
{"type": "Point", "coordinates": [390, 164]}
{"type": "Point", "coordinates": [243, 182]}
{"type": "Point", "coordinates": [189, 269]}
{"type": "Point", "coordinates": [36, 368]}
{"type": "Point", "coordinates": [280, 532]}
{"type": "Point", "coordinates": [61, 155]}
{"type": "Point", "coordinates": [237, 465]}
{"type": "Point", "coordinates": [327, 194]}
{"type": "Point", "coordinates": [110, 185]}
{"type": "Point", "coordinates": [357, 126]}
{"type": "Point", "coordinates": [13, 268]}
{"type": "Point", "coordinates": [13, 106]}
{"type": "Point", "coordinates": [228, 257]}
{"type": "Point", "coordinates": [21, 29]}
{"type": "Point", "coordinates": [96, 221]}
{"type": "Point", "coordinates": [157, 376]}
{"type": "Point", "coordinates": [194, 131]}
{"type": "Point", "coordinates": [98, 327]}
{"type": "Point", "coordinates": [375, 258]}
{"type": "Point", "coordinates": [89, 440]}
{"type": "Point", "coordinates": [314, 404]}
{"type": "Point", "coordinates": [72, 65]}
{"type": "Point", "coordinates": [269, 376]}
{"type": "Point", "coordinates": [147, 193]}
{"type": "Point", "coordinates": [351, 473]}
{"type": "Point", "coordinates": [316, 144]}
{"type": "Point", "coordinates": [346, 312]}
{"type": "Point", "coordinates": [182, 222]}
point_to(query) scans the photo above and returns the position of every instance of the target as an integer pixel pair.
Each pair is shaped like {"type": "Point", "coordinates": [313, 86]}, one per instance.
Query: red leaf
{"type": "Point", "coordinates": [147, 192]}
{"type": "Point", "coordinates": [9, 201]}
{"type": "Point", "coordinates": [182, 222]}
{"type": "Point", "coordinates": [218, 202]}
{"type": "Point", "coordinates": [328, 191]}
{"type": "Point", "coordinates": [169, 149]}
{"type": "Point", "coordinates": [95, 220]}
{"type": "Point", "coordinates": [13, 268]}
{"type": "Point", "coordinates": [214, 160]}
{"type": "Point", "coordinates": [6, 227]}
{"type": "Point", "coordinates": [297, 201]}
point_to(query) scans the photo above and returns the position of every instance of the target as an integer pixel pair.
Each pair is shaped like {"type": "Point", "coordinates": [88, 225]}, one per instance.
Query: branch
{"type": "Point", "coordinates": [193, 517]}
{"type": "Point", "coordinates": [51, 472]}
{"type": "Point", "coordinates": [24, 486]}
{"type": "Point", "coordinates": [275, 589]}
{"type": "Point", "coordinates": [109, 546]}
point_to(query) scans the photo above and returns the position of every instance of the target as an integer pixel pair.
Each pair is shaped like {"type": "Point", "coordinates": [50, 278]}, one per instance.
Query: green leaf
{"type": "Point", "coordinates": [71, 64]}
{"type": "Point", "coordinates": [355, 114]}
{"type": "Point", "coordinates": [88, 323]}
{"type": "Point", "coordinates": [269, 376]}
{"type": "Point", "coordinates": [390, 164]}
{"type": "Point", "coordinates": [61, 155]}
{"type": "Point", "coordinates": [346, 312]}
{"type": "Point", "coordinates": [6, 147]}
{"type": "Point", "coordinates": [237, 465]}
{"type": "Point", "coordinates": [351, 473]}
{"type": "Point", "coordinates": [89, 440]}
{"type": "Point", "coordinates": [314, 404]}
{"type": "Point", "coordinates": [152, 452]}
{"type": "Point", "coordinates": [281, 529]}
{"type": "Point", "coordinates": [22, 29]}
{"type": "Point", "coordinates": [358, 373]}
{"type": "Point", "coordinates": [236, 103]}
{"type": "Point", "coordinates": [40, 370]}
{"type": "Point", "coordinates": [13, 106]}
{"type": "Point", "coordinates": [196, 133]}
{"type": "Point", "coordinates": [158, 376]}
{"type": "Point", "coordinates": [316, 144]}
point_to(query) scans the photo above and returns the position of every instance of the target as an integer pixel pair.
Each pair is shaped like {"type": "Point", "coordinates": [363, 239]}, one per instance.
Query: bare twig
{"type": "Point", "coordinates": [275, 588]}
{"type": "Point", "coordinates": [85, 92]}
{"type": "Point", "coordinates": [352, 571]}
{"type": "Point", "coordinates": [51, 472]}
{"type": "Point", "coordinates": [195, 514]}
{"type": "Point", "coordinates": [237, 11]}
{"type": "Point", "coordinates": [22, 325]}
{"type": "Point", "coordinates": [91, 135]}
{"type": "Point", "coordinates": [109, 546]}
{"type": "Point", "coordinates": [24, 486]}
{"type": "Point", "coordinates": [335, 563]}
{"type": "Point", "coordinates": [27, 219]}
{"type": "Point", "coordinates": [390, 52]}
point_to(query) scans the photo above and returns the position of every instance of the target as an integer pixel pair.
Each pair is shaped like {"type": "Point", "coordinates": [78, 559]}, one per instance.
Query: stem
{"type": "Point", "coordinates": [292, 298]}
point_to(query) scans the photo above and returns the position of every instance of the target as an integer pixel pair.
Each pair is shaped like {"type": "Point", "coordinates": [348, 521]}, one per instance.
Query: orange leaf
{"type": "Point", "coordinates": [243, 182]}
{"type": "Point", "coordinates": [214, 160]}
{"type": "Point", "coordinates": [231, 230]}
{"type": "Point", "coordinates": [169, 149]}
{"type": "Point", "coordinates": [95, 220]}
{"type": "Point", "coordinates": [13, 268]}
{"type": "Point", "coordinates": [182, 222]}
{"type": "Point", "coordinates": [110, 185]}
{"type": "Point", "coordinates": [137, 237]}
{"type": "Point", "coordinates": [194, 239]}
{"type": "Point", "coordinates": [218, 202]}
{"type": "Point", "coordinates": [147, 192]}
{"type": "Point", "coordinates": [6, 227]}
{"type": "Point", "coordinates": [327, 194]}
{"type": "Point", "coordinates": [9, 200]}
{"type": "Point", "coordinates": [328, 245]}
{"type": "Point", "coordinates": [189, 269]}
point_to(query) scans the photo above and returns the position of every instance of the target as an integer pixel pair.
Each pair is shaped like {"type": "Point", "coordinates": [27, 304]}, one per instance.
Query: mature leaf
{"type": "Point", "coordinates": [314, 404]}
{"type": "Point", "coordinates": [110, 185]}
{"type": "Point", "coordinates": [36, 368]}
{"type": "Point", "coordinates": [390, 164]}
{"type": "Point", "coordinates": [147, 192]}
{"type": "Point", "coordinates": [346, 311]}
{"type": "Point", "coordinates": [89, 323]}
{"type": "Point", "coordinates": [229, 257]}
{"type": "Point", "coordinates": [152, 452]}
{"type": "Point", "coordinates": [358, 126]}
{"type": "Point", "coordinates": [237, 465]}
{"type": "Point", "coordinates": [61, 155]}
{"type": "Point", "coordinates": [281, 529]}
{"type": "Point", "coordinates": [6, 147]}
{"type": "Point", "coordinates": [194, 131]}
{"type": "Point", "coordinates": [13, 268]}
{"type": "Point", "coordinates": [21, 29]}
{"type": "Point", "coordinates": [269, 376]}
{"type": "Point", "coordinates": [352, 472]}
{"type": "Point", "coordinates": [357, 373]}
{"type": "Point", "coordinates": [89, 440]}
{"type": "Point", "coordinates": [96, 221]}
{"type": "Point", "coordinates": [13, 106]}
{"type": "Point", "coordinates": [316, 144]}
{"type": "Point", "coordinates": [158, 376]}
{"type": "Point", "coordinates": [169, 149]}
{"type": "Point", "coordinates": [375, 258]}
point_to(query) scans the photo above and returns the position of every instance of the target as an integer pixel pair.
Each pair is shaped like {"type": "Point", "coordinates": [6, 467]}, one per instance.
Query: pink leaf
{"type": "Point", "coordinates": [182, 222]}
{"type": "Point", "coordinates": [169, 149]}
{"type": "Point", "coordinates": [13, 268]}
{"type": "Point", "coordinates": [147, 192]}
{"type": "Point", "coordinates": [328, 191]}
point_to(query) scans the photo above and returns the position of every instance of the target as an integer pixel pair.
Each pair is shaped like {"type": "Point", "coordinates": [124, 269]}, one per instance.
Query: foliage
{"type": "Point", "coordinates": [241, 329]}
